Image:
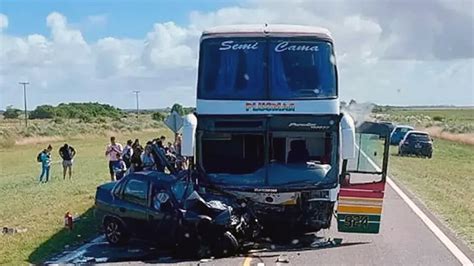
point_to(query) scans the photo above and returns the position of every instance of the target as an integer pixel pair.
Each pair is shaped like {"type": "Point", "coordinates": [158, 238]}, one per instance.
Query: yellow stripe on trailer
{"type": "Point", "coordinates": [359, 209]}
{"type": "Point", "coordinates": [361, 199]}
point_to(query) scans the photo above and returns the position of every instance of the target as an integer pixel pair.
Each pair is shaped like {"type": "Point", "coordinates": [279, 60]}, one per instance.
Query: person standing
{"type": "Point", "coordinates": [67, 153]}
{"type": "Point", "coordinates": [128, 153]}
{"type": "Point", "coordinates": [111, 152]}
{"type": "Point", "coordinates": [45, 158]}
{"type": "Point", "coordinates": [119, 167]}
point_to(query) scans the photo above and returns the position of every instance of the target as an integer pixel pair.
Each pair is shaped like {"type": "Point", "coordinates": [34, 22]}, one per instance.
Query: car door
{"type": "Point", "coordinates": [360, 201]}
{"type": "Point", "coordinates": [162, 215]}
{"type": "Point", "coordinates": [133, 208]}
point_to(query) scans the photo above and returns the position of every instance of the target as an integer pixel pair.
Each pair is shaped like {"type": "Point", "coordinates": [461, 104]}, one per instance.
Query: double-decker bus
{"type": "Point", "coordinates": [269, 128]}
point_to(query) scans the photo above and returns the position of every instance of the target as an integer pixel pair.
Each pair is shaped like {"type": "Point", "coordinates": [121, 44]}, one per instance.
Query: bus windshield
{"type": "Point", "coordinates": [266, 69]}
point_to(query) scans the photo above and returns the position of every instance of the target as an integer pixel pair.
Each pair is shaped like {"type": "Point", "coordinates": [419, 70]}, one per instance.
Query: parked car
{"type": "Point", "coordinates": [170, 211]}
{"type": "Point", "coordinates": [417, 143]}
{"type": "Point", "coordinates": [399, 133]}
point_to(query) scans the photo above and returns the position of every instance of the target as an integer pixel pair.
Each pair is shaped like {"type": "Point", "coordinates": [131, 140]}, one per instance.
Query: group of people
{"type": "Point", "coordinates": [134, 157]}
{"type": "Point", "coordinates": [67, 154]}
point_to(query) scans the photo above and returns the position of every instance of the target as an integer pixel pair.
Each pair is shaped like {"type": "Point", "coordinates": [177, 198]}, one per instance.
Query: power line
{"type": "Point", "coordinates": [24, 83]}
{"type": "Point", "coordinates": [136, 95]}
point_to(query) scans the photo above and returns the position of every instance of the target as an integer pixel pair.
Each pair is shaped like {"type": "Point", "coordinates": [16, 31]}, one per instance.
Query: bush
{"type": "Point", "coordinates": [58, 120]}
{"type": "Point", "coordinates": [42, 112]}
{"type": "Point", "coordinates": [11, 113]}
{"type": "Point", "coordinates": [158, 116]}
{"type": "Point", "coordinates": [84, 118]}
{"type": "Point", "coordinates": [438, 118]}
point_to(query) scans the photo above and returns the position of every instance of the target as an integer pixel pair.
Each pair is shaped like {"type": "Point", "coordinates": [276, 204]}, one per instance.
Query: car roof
{"type": "Point", "coordinates": [154, 176]}
{"type": "Point", "coordinates": [280, 30]}
{"type": "Point", "coordinates": [418, 132]}
{"type": "Point", "coordinates": [403, 126]}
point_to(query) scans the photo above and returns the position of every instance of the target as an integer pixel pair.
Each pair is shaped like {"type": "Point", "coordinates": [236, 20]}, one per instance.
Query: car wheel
{"type": "Point", "coordinates": [227, 245]}
{"type": "Point", "coordinates": [430, 155]}
{"type": "Point", "coordinates": [115, 232]}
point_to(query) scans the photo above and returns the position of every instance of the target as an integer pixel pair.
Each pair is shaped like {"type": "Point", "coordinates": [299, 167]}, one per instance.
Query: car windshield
{"type": "Point", "coordinates": [266, 68]}
{"type": "Point", "coordinates": [419, 137]}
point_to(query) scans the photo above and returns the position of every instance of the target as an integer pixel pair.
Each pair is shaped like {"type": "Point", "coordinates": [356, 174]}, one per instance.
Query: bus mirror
{"type": "Point", "coordinates": [347, 137]}
{"type": "Point", "coordinates": [189, 132]}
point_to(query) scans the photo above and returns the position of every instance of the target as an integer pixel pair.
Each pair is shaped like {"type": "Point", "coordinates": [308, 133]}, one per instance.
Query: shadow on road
{"type": "Point", "coordinates": [85, 226]}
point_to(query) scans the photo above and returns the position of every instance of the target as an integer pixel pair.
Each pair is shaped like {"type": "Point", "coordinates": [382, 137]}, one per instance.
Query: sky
{"type": "Point", "coordinates": [398, 52]}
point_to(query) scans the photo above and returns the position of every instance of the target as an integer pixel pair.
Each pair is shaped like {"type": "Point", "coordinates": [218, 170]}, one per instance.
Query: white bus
{"type": "Point", "coordinates": [269, 125]}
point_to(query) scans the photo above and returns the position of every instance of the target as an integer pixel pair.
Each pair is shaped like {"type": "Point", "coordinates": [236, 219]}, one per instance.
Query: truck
{"type": "Point", "coordinates": [268, 127]}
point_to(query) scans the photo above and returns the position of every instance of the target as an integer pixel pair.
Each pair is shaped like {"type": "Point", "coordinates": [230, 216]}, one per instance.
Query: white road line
{"type": "Point", "coordinates": [430, 224]}
{"type": "Point", "coordinates": [76, 253]}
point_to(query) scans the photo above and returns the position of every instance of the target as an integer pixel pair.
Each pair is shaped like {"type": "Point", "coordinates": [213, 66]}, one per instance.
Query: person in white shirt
{"type": "Point", "coordinates": [127, 153]}
{"type": "Point", "coordinates": [111, 152]}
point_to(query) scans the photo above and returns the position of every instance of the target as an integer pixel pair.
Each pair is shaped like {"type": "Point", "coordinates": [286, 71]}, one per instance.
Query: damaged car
{"type": "Point", "coordinates": [174, 213]}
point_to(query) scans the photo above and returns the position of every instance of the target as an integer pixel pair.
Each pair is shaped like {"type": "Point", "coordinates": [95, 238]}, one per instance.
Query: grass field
{"type": "Point", "coordinates": [454, 120]}
{"type": "Point", "coordinates": [444, 183]}
{"type": "Point", "coordinates": [13, 130]}
{"type": "Point", "coordinates": [40, 208]}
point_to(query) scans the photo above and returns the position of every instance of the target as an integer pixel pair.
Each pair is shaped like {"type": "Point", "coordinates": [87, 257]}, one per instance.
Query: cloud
{"type": "Point", "coordinates": [165, 47]}
{"type": "Point", "coordinates": [3, 22]}
{"type": "Point", "coordinates": [387, 51]}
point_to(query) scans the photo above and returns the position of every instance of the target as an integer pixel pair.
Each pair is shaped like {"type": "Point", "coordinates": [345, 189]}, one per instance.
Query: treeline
{"type": "Point", "coordinates": [75, 110]}
{"type": "Point", "coordinates": [88, 111]}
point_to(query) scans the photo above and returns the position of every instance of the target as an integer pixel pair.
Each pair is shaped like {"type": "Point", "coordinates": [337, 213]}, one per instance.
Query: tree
{"type": "Point", "coordinates": [352, 102]}
{"type": "Point", "coordinates": [42, 112]}
{"type": "Point", "coordinates": [178, 108]}
{"type": "Point", "coordinates": [11, 113]}
{"type": "Point", "coordinates": [158, 116]}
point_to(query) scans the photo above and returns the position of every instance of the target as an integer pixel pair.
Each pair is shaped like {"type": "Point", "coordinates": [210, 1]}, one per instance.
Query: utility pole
{"type": "Point", "coordinates": [136, 95]}
{"type": "Point", "coordinates": [24, 83]}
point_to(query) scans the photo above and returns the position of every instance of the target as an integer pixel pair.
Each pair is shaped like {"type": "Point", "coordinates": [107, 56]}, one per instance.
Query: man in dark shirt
{"type": "Point", "coordinates": [67, 153]}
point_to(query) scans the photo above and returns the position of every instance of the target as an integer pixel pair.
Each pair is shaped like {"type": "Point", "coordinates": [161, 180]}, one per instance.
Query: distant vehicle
{"type": "Point", "coordinates": [168, 211]}
{"type": "Point", "coordinates": [418, 143]}
{"type": "Point", "coordinates": [391, 126]}
{"type": "Point", "coordinates": [399, 133]}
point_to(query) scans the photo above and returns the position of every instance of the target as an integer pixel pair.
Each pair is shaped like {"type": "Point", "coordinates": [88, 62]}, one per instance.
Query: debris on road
{"type": "Point", "coordinates": [11, 230]}
{"type": "Point", "coordinates": [283, 259]}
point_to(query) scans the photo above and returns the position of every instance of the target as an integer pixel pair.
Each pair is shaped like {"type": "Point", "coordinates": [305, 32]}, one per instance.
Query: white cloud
{"type": "Point", "coordinates": [3, 22]}
{"type": "Point", "coordinates": [165, 47]}
{"type": "Point", "coordinates": [386, 52]}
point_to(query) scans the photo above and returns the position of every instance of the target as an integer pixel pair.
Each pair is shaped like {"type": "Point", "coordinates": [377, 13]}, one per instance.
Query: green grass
{"type": "Point", "coordinates": [40, 208]}
{"type": "Point", "coordinates": [455, 120]}
{"type": "Point", "coordinates": [14, 129]}
{"type": "Point", "coordinates": [444, 183]}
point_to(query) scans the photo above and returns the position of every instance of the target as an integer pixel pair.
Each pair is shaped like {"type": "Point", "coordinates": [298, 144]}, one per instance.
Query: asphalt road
{"type": "Point", "coordinates": [404, 240]}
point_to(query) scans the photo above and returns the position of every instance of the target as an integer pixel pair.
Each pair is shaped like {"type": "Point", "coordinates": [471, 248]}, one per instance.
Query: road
{"type": "Point", "coordinates": [404, 240]}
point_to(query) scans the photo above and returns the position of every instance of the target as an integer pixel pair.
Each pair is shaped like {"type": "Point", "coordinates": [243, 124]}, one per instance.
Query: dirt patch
{"type": "Point", "coordinates": [437, 132]}
{"type": "Point", "coordinates": [38, 140]}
